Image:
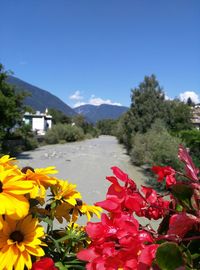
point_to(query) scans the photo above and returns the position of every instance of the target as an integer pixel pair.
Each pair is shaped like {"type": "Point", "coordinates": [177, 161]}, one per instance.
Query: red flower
{"type": "Point", "coordinates": [117, 194]}
{"type": "Point", "coordinates": [182, 223]}
{"type": "Point", "coordinates": [123, 177]}
{"type": "Point", "coordinates": [44, 264]}
{"type": "Point", "coordinates": [116, 243]}
{"type": "Point", "coordinates": [147, 256]}
{"type": "Point", "coordinates": [165, 172]}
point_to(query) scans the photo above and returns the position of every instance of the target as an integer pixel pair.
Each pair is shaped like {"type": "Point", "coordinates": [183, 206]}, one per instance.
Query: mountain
{"type": "Point", "coordinates": [40, 99]}
{"type": "Point", "coordinates": [105, 111]}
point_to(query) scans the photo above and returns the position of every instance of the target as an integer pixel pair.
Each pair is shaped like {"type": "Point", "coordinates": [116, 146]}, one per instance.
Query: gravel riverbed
{"type": "Point", "coordinates": [85, 163]}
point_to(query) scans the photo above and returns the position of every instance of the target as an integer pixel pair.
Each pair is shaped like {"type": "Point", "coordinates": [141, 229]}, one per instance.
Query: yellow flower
{"type": "Point", "coordinates": [12, 189]}
{"type": "Point", "coordinates": [1, 222]}
{"type": "Point", "coordinates": [40, 179]}
{"type": "Point", "coordinates": [71, 213]}
{"type": "Point", "coordinates": [66, 192]}
{"type": "Point", "coordinates": [7, 161]}
{"type": "Point", "coordinates": [89, 210]}
{"type": "Point", "coordinates": [18, 241]}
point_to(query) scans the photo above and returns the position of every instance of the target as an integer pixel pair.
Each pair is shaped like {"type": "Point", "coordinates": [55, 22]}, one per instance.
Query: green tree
{"type": "Point", "coordinates": [147, 104]}
{"type": "Point", "coordinates": [107, 126]}
{"type": "Point", "coordinates": [59, 117]}
{"type": "Point", "coordinates": [178, 116]}
{"type": "Point", "coordinates": [11, 106]}
{"type": "Point", "coordinates": [190, 102]}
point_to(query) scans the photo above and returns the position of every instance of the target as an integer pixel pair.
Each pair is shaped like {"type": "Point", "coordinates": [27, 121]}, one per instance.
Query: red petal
{"type": "Point", "coordinates": [190, 169]}
{"type": "Point", "coordinates": [180, 224]}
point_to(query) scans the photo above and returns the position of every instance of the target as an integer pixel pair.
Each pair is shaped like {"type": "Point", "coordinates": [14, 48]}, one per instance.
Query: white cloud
{"type": "Point", "coordinates": [98, 101]}
{"type": "Point", "coordinates": [194, 96]}
{"type": "Point", "coordinates": [76, 96]}
{"type": "Point", "coordinates": [93, 100]}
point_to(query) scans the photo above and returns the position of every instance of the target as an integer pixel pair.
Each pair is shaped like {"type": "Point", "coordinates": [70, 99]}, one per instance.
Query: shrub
{"type": "Point", "coordinates": [62, 132]}
{"type": "Point", "coordinates": [73, 133]}
{"type": "Point", "coordinates": [192, 141]}
{"type": "Point", "coordinates": [107, 126]}
{"type": "Point", "coordinates": [156, 146]}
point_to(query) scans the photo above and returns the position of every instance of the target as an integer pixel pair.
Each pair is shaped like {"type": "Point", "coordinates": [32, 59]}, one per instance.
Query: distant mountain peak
{"type": "Point", "coordinates": [95, 113]}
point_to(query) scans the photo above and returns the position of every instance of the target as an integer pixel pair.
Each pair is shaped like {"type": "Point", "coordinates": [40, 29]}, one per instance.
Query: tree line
{"type": "Point", "coordinates": [151, 129]}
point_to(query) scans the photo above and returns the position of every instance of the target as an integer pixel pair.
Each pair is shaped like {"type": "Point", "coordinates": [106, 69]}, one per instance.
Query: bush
{"type": "Point", "coordinates": [62, 132]}
{"type": "Point", "coordinates": [30, 143]}
{"type": "Point", "coordinates": [156, 146]}
{"type": "Point", "coordinates": [21, 139]}
{"type": "Point", "coordinates": [74, 133]}
{"type": "Point", "coordinates": [107, 126]}
{"type": "Point", "coordinates": [192, 141]}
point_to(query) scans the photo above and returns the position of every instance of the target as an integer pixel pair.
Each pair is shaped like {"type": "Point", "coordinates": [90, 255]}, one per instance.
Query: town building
{"type": "Point", "coordinates": [39, 122]}
{"type": "Point", "coordinates": [196, 116]}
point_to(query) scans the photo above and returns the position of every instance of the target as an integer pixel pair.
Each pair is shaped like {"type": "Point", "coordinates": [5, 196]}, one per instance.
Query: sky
{"type": "Point", "coordinates": [96, 51]}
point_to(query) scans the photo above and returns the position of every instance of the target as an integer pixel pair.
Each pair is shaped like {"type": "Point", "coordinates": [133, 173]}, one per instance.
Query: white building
{"type": "Point", "coordinates": [40, 122]}
{"type": "Point", "coordinates": [196, 116]}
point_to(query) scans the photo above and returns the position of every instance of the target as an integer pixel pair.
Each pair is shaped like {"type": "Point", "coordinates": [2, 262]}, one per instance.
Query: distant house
{"type": "Point", "coordinates": [40, 122]}
{"type": "Point", "coordinates": [196, 116]}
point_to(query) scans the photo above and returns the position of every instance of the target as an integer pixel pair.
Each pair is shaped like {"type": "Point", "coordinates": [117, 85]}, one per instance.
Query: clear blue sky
{"type": "Point", "coordinates": [102, 48]}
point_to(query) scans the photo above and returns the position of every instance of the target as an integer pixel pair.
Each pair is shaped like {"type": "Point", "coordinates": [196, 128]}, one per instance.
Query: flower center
{"type": "Point", "coordinates": [25, 169]}
{"type": "Point", "coordinates": [1, 187]}
{"type": "Point", "coordinates": [17, 236]}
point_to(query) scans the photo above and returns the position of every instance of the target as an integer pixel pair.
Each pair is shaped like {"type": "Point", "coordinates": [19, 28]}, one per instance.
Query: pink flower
{"type": "Point", "coordinates": [190, 170]}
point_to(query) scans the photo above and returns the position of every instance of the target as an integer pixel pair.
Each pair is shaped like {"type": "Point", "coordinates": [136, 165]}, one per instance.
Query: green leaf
{"type": "Point", "coordinates": [183, 193]}
{"type": "Point", "coordinates": [60, 266]}
{"type": "Point", "coordinates": [48, 221]}
{"type": "Point", "coordinates": [53, 204]}
{"type": "Point", "coordinates": [169, 256]}
{"type": "Point", "coordinates": [179, 208]}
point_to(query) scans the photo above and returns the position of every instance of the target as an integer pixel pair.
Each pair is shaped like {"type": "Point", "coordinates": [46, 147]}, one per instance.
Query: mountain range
{"type": "Point", "coordinates": [40, 99]}
{"type": "Point", "coordinates": [95, 113]}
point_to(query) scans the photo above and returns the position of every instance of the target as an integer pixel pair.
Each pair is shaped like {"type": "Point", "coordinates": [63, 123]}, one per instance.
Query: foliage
{"type": "Point", "coordinates": [148, 104]}
{"type": "Point", "coordinates": [125, 130]}
{"type": "Point", "coordinates": [11, 106]}
{"type": "Point", "coordinates": [28, 219]}
{"type": "Point", "coordinates": [178, 115]}
{"type": "Point", "coordinates": [190, 102]}
{"type": "Point", "coordinates": [64, 132]}
{"type": "Point", "coordinates": [156, 146]}
{"type": "Point", "coordinates": [88, 128]}
{"type": "Point", "coordinates": [192, 141]}
{"type": "Point", "coordinates": [119, 241]}
{"type": "Point", "coordinates": [59, 117]}
{"type": "Point", "coordinates": [21, 139]}
{"type": "Point", "coordinates": [107, 126]}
